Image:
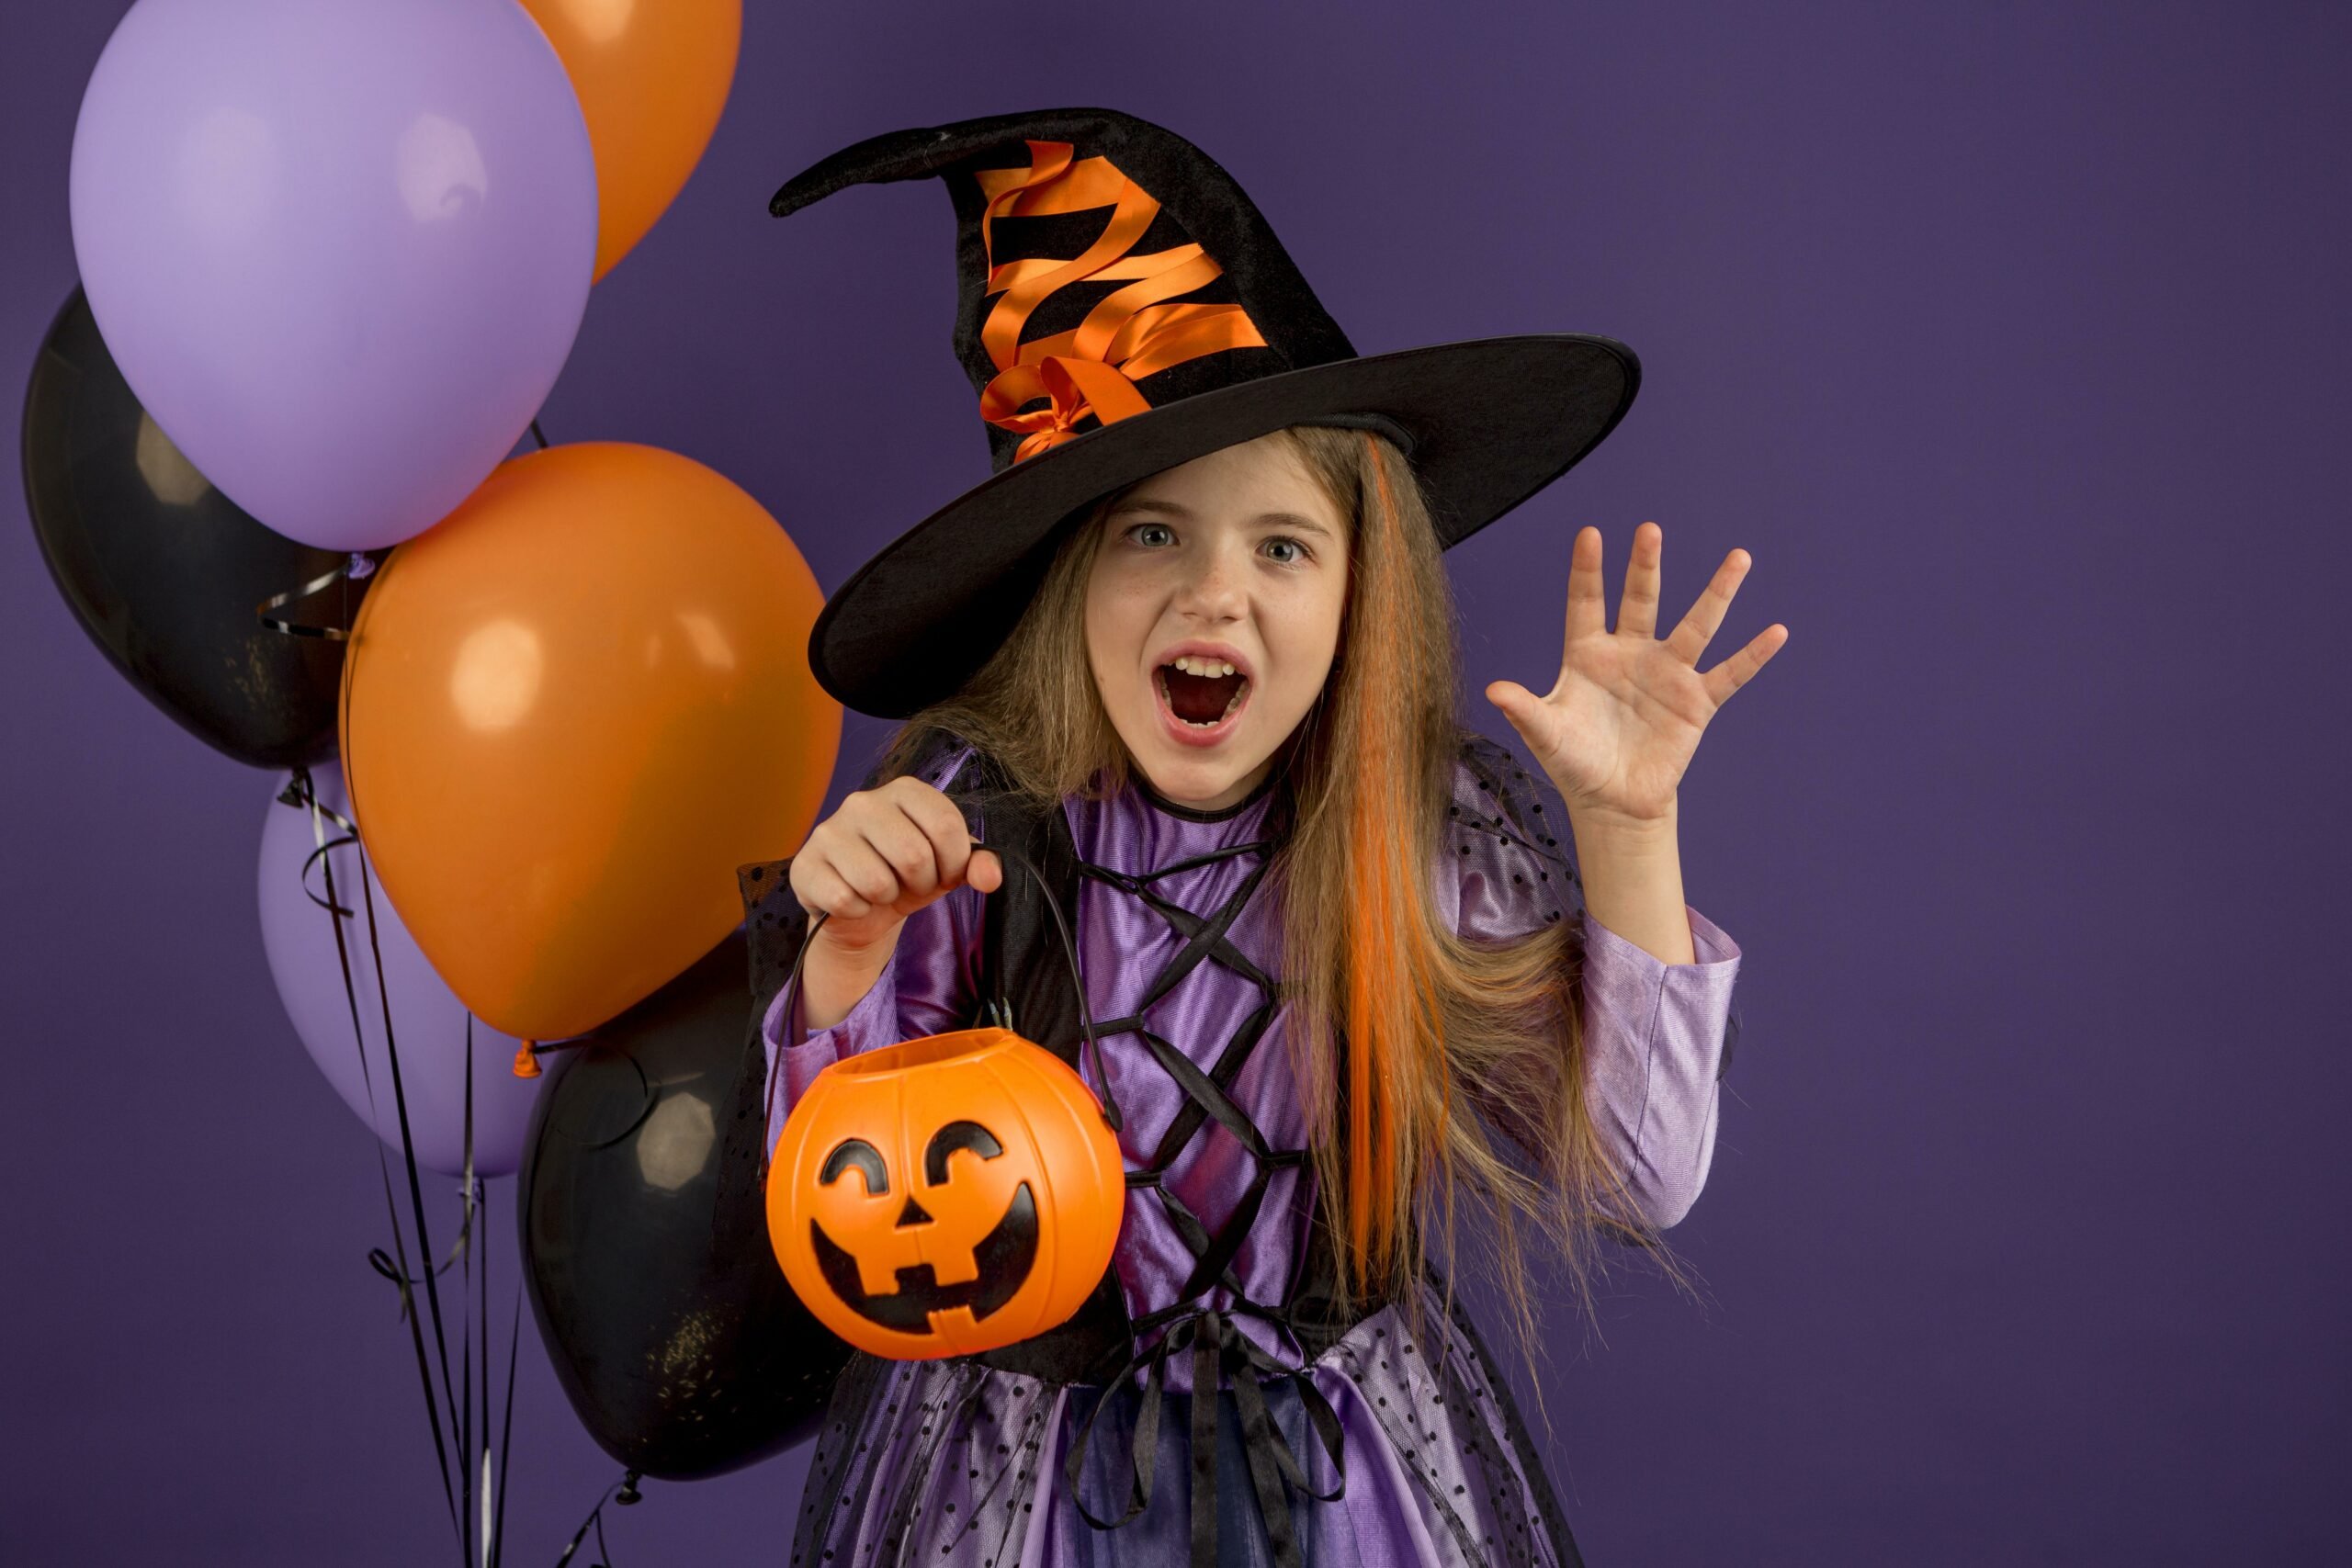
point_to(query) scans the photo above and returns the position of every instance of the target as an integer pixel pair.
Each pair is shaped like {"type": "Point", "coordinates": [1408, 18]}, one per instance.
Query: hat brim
{"type": "Point", "coordinates": [1494, 420]}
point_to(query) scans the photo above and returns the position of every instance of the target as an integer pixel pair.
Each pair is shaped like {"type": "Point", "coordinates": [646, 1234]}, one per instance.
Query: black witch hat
{"type": "Point", "coordinates": [1123, 307]}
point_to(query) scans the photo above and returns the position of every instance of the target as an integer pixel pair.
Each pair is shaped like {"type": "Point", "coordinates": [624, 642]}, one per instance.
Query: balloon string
{"type": "Point", "coordinates": [527, 1054]}
{"type": "Point", "coordinates": [459, 1499]}
{"type": "Point", "coordinates": [622, 1494]}
{"type": "Point", "coordinates": [381, 1261]}
{"type": "Point", "coordinates": [301, 793]}
{"type": "Point", "coordinates": [477, 1192]}
{"type": "Point", "coordinates": [475, 1282]}
{"type": "Point", "coordinates": [359, 564]}
{"type": "Point", "coordinates": [408, 1154]}
{"type": "Point", "coordinates": [307, 793]}
{"type": "Point", "coordinates": [465, 1422]}
{"type": "Point", "coordinates": [506, 1436]}
{"type": "Point", "coordinates": [298, 795]}
{"type": "Point", "coordinates": [400, 1107]}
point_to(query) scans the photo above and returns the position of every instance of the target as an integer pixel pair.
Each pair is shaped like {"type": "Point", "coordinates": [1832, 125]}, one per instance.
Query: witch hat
{"type": "Point", "coordinates": [1121, 308]}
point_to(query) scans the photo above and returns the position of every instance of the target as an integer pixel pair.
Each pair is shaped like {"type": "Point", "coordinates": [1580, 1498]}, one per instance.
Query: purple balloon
{"type": "Point", "coordinates": [339, 248]}
{"type": "Point", "coordinates": [428, 1020]}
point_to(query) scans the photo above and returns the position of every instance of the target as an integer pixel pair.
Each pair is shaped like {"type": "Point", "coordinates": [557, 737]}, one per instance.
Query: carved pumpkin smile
{"type": "Point", "coordinates": [1001, 1260]}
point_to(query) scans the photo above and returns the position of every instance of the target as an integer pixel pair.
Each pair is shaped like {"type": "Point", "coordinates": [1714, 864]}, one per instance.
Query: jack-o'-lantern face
{"type": "Point", "coordinates": [914, 1257]}
{"type": "Point", "coordinates": [946, 1196]}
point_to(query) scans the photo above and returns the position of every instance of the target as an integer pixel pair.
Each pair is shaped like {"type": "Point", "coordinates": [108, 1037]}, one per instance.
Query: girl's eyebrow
{"type": "Point", "coordinates": [1280, 519]}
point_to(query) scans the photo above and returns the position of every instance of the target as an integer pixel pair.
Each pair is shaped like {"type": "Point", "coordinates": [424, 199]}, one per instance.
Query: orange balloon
{"type": "Point", "coordinates": [652, 79]}
{"type": "Point", "coordinates": [946, 1196]}
{"type": "Point", "coordinates": [571, 709]}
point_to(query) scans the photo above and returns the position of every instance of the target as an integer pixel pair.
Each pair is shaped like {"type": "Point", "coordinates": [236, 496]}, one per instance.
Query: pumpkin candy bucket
{"type": "Point", "coordinates": [948, 1195]}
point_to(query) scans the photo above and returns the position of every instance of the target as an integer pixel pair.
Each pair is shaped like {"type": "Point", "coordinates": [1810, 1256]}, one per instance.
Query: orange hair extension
{"type": "Point", "coordinates": [1389, 1027]}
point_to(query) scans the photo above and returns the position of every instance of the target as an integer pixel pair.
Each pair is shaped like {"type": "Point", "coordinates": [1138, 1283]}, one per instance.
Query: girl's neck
{"type": "Point", "coordinates": [1277, 774]}
{"type": "Point", "coordinates": [1204, 813]}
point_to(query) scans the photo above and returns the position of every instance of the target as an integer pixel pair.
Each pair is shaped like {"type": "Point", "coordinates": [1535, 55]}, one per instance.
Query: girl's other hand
{"type": "Point", "coordinates": [885, 853]}
{"type": "Point", "coordinates": [1620, 725]}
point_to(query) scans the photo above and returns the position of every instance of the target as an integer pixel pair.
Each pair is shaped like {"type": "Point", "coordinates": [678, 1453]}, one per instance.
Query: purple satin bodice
{"type": "Point", "coordinates": [1653, 1029]}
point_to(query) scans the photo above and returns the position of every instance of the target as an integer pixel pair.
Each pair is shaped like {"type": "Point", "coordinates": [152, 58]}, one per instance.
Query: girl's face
{"type": "Point", "coordinates": [1212, 615]}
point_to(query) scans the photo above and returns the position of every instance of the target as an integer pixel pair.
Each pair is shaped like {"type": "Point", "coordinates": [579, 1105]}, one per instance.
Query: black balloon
{"type": "Point", "coordinates": [164, 571]}
{"type": "Point", "coordinates": [668, 1318]}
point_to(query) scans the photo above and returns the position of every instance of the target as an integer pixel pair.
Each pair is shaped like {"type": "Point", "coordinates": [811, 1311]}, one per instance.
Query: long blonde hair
{"type": "Point", "coordinates": [1393, 1015]}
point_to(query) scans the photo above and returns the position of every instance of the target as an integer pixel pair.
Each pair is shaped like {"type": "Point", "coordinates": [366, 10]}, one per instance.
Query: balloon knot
{"type": "Point", "coordinates": [526, 1065]}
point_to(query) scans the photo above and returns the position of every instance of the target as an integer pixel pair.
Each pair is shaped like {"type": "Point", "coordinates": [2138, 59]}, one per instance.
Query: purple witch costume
{"type": "Point", "coordinates": [1397, 1451]}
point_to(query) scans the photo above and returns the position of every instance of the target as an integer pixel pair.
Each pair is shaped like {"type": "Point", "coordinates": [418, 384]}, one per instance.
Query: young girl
{"type": "Point", "coordinates": [1342, 967]}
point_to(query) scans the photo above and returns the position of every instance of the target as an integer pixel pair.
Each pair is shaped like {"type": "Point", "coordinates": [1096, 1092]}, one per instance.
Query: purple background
{"type": "Point", "coordinates": [2011, 342]}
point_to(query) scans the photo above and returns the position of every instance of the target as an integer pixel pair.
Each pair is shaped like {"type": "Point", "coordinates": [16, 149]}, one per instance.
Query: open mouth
{"type": "Point", "coordinates": [1201, 693]}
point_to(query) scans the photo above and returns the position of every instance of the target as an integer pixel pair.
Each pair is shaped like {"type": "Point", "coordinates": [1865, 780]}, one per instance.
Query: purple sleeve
{"type": "Point", "coordinates": [929, 987]}
{"type": "Point", "coordinates": [1656, 1034]}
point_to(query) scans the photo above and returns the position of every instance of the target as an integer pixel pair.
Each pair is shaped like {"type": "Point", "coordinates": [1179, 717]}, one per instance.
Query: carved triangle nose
{"type": "Point", "coordinates": [912, 1214]}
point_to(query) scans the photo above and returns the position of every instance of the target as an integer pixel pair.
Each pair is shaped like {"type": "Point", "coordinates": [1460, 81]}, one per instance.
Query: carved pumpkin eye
{"type": "Point", "coordinates": [928, 1254]}
{"type": "Point", "coordinates": [856, 1154]}
{"type": "Point", "coordinates": [948, 1139]}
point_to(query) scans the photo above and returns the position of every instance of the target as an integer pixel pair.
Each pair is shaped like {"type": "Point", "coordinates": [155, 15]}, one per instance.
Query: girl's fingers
{"type": "Point", "coordinates": [827, 893]}
{"type": "Point", "coordinates": [953, 849]}
{"type": "Point", "coordinates": [948, 843]}
{"type": "Point", "coordinates": [893, 849]}
{"type": "Point", "coordinates": [1741, 667]}
{"type": "Point", "coordinates": [1690, 636]}
{"type": "Point", "coordinates": [1638, 609]}
{"type": "Point", "coordinates": [860, 865]}
{"type": "Point", "coordinates": [1587, 615]}
{"type": "Point", "coordinates": [905, 841]}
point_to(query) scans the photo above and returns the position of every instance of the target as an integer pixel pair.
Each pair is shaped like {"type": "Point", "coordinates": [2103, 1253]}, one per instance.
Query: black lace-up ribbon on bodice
{"type": "Point", "coordinates": [1210, 1334]}
{"type": "Point", "coordinates": [1218, 1347]}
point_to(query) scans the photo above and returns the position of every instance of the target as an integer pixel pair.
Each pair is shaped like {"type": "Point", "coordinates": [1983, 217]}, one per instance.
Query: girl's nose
{"type": "Point", "coordinates": [1214, 587]}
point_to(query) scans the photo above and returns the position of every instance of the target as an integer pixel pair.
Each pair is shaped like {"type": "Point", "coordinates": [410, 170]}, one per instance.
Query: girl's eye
{"type": "Point", "coordinates": [1152, 534]}
{"type": "Point", "coordinates": [1298, 550]}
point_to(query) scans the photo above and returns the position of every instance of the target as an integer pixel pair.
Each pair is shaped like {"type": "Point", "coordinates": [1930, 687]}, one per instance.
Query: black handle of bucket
{"type": "Point", "coordinates": [1109, 1105]}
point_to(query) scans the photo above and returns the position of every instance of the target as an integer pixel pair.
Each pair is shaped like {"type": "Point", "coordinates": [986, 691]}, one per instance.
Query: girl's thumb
{"type": "Point", "coordinates": [1512, 698]}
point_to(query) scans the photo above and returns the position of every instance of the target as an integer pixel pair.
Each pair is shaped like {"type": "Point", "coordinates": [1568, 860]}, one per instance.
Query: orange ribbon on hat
{"type": "Point", "coordinates": [1093, 367]}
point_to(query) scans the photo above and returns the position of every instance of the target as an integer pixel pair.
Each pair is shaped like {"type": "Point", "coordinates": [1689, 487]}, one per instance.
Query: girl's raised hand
{"type": "Point", "coordinates": [885, 853]}
{"type": "Point", "coordinates": [1620, 725]}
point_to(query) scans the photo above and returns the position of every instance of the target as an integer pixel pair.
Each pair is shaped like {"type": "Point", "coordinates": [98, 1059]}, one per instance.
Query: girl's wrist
{"type": "Point", "coordinates": [836, 975]}
{"type": "Point", "coordinates": [1593, 824]}
{"type": "Point", "coordinates": [1632, 872]}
